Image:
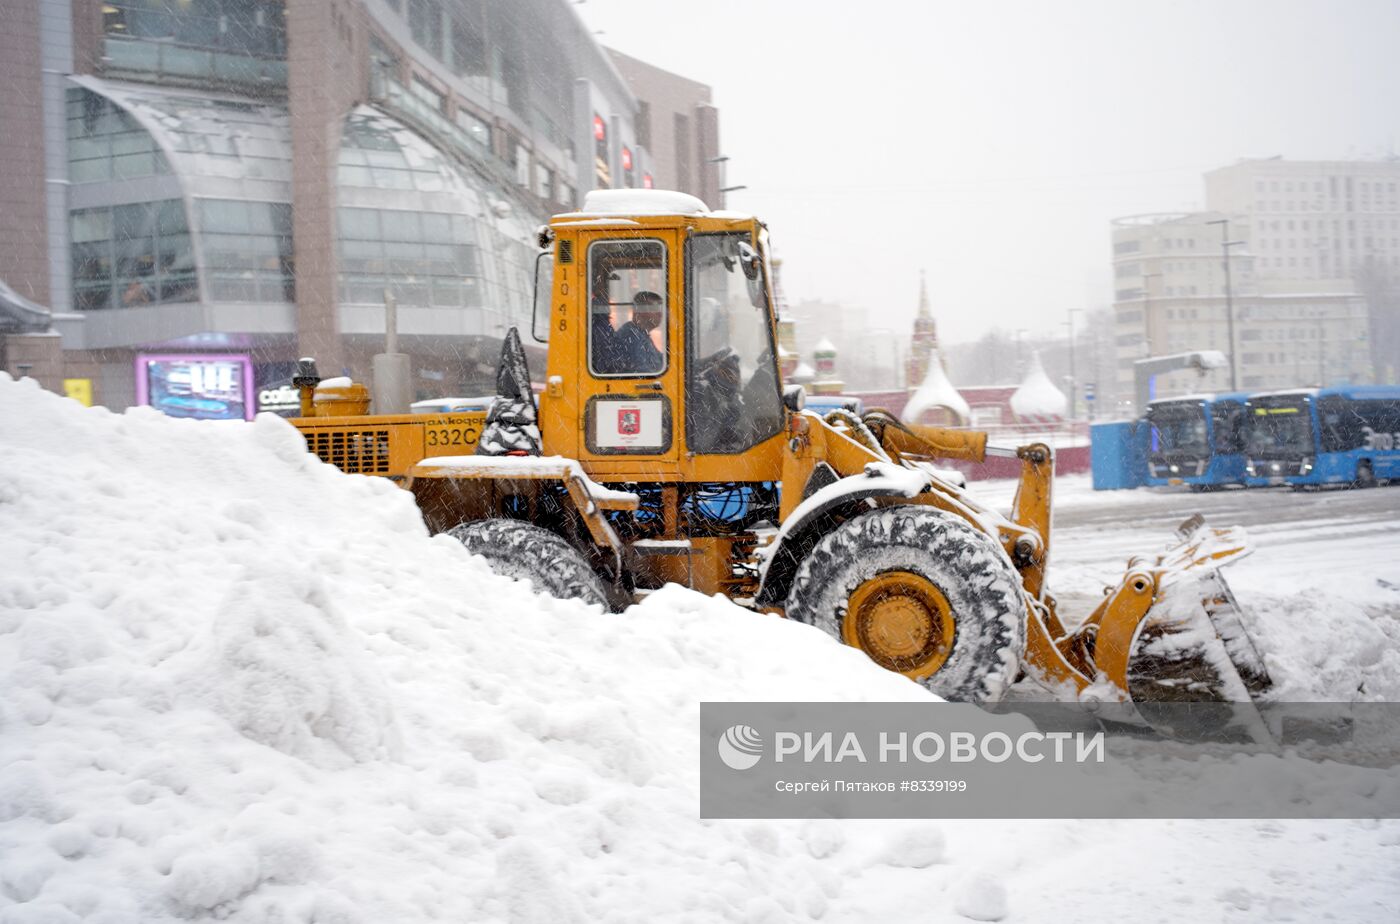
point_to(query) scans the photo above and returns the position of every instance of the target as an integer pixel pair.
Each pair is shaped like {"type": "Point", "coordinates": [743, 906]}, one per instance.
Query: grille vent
{"type": "Point", "coordinates": [360, 452]}
{"type": "Point", "coordinates": [566, 251]}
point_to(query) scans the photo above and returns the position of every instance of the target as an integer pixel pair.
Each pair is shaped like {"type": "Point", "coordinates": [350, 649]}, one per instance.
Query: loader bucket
{"type": "Point", "coordinates": [1168, 648]}
{"type": "Point", "coordinates": [1191, 646]}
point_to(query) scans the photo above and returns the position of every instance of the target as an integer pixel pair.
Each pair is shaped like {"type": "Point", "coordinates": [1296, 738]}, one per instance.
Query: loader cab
{"type": "Point", "coordinates": [661, 360]}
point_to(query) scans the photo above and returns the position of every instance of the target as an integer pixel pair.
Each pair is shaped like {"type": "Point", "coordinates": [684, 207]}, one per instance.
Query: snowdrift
{"type": "Point", "coordinates": [236, 684]}
{"type": "Point", "coordinates": [240, 684]}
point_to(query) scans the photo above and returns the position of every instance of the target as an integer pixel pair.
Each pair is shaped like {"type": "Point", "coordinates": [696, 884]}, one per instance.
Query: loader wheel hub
{"type": "Point", "coordinates": [902, 621]}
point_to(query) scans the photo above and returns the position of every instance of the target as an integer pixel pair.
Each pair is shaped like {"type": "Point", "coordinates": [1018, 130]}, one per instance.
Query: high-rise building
{"type": "Point", "coordinates": [679, 126]}
{"type": "Point", "coordinates": [237, 183]}
{"type": "Point", "coordinates": [1301, 240]}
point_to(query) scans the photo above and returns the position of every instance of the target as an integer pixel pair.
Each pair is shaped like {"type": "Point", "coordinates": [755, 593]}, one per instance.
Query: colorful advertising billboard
{"type": "Point", "coordinates": [205, 386]}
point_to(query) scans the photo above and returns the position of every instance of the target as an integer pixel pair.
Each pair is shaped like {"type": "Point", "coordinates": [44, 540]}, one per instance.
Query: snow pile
{"type": "Point", "coordinates": [936, 392]}
{"type": "Point", "coordinates": [239, 684]}
{"type": "Point", "coordinates": [1037, 400]}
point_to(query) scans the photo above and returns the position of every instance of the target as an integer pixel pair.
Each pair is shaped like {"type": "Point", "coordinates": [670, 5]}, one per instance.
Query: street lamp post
{"type": "Point", "coordinates": [1073, 379]}
{"type": "Point", "coordinates": [1225, 245]}
{"type": "Point", "coordinates": [723, 162]}
{"type": "Point", "coordinates": [1147, 313]}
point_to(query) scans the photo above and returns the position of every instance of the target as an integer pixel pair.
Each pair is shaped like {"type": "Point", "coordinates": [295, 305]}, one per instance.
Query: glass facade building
{"type": "Point", "coordinates": [431, 233]}
{"type": "Point", "coordinates": [177, 199]}
{"type": "Point", "coordinates": [196, 215]}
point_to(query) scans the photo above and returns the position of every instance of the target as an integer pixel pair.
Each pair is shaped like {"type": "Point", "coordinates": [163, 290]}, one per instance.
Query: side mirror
{"type": "Point", "coordinates": [748, 259]}
{"type": "Point", "coordinates": [794, 398]}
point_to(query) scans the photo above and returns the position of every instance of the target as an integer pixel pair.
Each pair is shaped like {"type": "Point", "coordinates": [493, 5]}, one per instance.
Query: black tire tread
{"type": "Point", "coordinates": [527, 552]}
{"type": "Point", "coordinates": [966, 564]}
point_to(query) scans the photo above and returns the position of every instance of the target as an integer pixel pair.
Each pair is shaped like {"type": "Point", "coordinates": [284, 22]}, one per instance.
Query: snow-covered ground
{"type": "Point", "coordinates": [1321, 589]}
{"type": "Point", "coordinates": [236, 684]}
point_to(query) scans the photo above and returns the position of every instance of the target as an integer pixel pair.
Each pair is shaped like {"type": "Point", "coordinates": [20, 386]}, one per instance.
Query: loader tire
{"type": "Point", "coordinates": [527, 552]}
{"type": "Point", "coordinates": [924, 594]}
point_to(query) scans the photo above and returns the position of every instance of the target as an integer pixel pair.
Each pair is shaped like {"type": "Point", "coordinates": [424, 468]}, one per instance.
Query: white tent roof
{"type": "Point", "coordinates": [936, 391]}
{"type": "Point", "coordinates": [1038, 398]}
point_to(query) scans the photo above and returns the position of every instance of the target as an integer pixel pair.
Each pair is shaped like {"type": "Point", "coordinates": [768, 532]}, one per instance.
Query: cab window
{"type": "Point", "coordinates": [732, 396]}
{"type": "Point", "coordinates": [628, 308]}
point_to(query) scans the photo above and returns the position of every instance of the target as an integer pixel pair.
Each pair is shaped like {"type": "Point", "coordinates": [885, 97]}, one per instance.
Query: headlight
{"type": "Point", "coordinates": [1305, 466]}
{"type": "Point", "coordinates": [1249, 467]}
{"type": "Point", "coordinates": [1175, 470]}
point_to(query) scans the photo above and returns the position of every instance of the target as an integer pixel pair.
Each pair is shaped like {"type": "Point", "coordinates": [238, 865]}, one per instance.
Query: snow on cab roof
{"type": "Point", "coordinates": [599, 202]}
{"type": "Point", "coordinates": [613, 206]}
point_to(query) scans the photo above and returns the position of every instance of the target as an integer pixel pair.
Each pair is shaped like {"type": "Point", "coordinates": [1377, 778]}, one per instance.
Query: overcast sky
{"type": "Point", "coordinates": [990, 143]}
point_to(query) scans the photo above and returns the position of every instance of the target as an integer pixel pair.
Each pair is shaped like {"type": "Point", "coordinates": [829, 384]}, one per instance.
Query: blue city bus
{"type": "Point", "coordinates": [1196, 441]}
{"type": "Point", "coordinates": [1348, 435]}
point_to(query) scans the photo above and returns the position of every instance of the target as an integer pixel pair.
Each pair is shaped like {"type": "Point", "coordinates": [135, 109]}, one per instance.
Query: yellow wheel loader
{"type": "Point", "coordinates": [664, 448]}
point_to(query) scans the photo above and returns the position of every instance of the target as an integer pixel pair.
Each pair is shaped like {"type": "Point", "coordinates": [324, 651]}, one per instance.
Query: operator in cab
{"type": "Point", "coordinates": [632, 348]}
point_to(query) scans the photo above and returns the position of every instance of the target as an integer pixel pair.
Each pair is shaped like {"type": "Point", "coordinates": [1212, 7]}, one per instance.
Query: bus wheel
{"type": "Point", "coordinates": [1365, 476]}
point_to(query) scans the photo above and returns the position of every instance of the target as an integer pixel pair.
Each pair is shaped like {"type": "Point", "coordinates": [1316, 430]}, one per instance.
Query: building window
{"type": "Point", "coordinates": [476, 129]}
{"type": "Point", "coordinates": [468, 47]}
{"type": "Point", "coordinates": [105, 143]}
{"type": "Point", "coordinates": [425, 25]}
{"type": "Point", "coordinates": [128, 256]}
{"type": "Point", "coordinates": [544, 182]}
{"type": "Point", "coordinates": [421, 258]}
{"type": "Point", "coordinates": [602, 167]}
{"type": "Point", "coordinates": [427, 94]}
{"type": "Point", "coordinates": [521, 159]}
{"type": "Point", "coordinates": [242, 27]}
{"type": "Point", "coordinates": [643, 126]}
{"type": "Point", "coordinates": [247, 248]}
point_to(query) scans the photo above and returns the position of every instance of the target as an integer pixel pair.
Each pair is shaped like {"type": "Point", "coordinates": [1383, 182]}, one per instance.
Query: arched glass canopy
{"type": "Point", "coordinates": [179, 199]}
{"type": "Point", "coordinates": [428, 229]}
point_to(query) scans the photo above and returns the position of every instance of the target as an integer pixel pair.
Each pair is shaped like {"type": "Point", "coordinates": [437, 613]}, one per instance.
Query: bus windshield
{"type": "Point", "coordinates": [1279, 427]}
{"type": "Point", "coordinates": [1179, 430]}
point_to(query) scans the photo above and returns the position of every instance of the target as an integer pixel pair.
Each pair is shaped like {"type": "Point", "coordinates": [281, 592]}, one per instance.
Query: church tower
{"type": "Point", "coordinates": [925, 340]}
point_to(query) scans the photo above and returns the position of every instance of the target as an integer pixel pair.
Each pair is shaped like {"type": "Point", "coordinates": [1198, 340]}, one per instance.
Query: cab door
{"type": "Point", "coordinates": [630, 356]}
